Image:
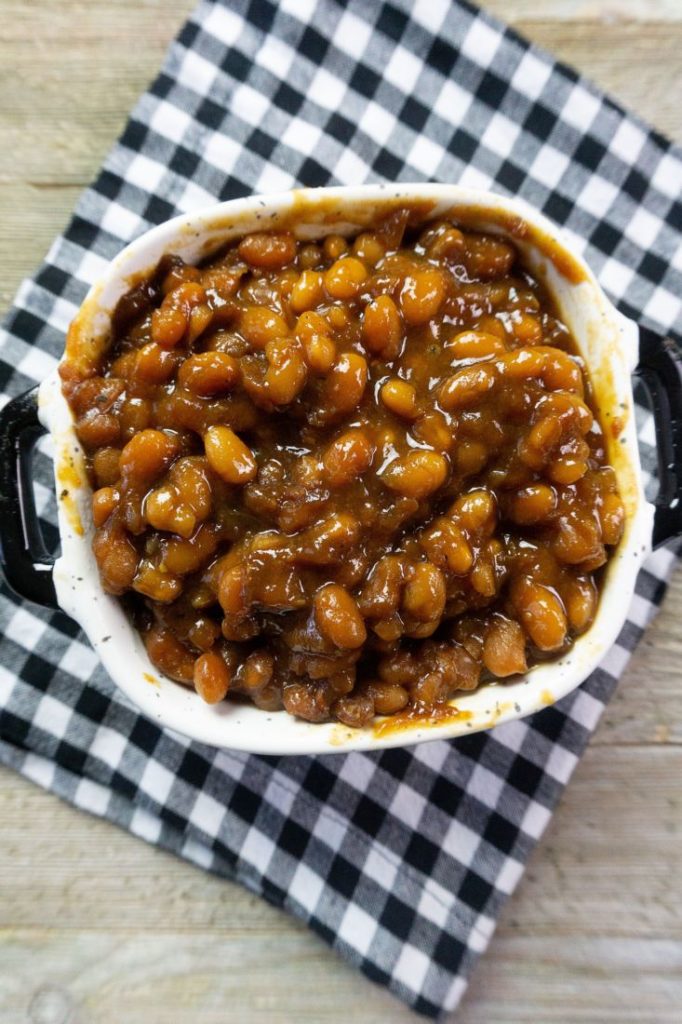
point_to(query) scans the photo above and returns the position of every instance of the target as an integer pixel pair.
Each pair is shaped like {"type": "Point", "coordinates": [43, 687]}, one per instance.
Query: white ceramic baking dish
{"type": "Point", "coordinates": [607, 340]}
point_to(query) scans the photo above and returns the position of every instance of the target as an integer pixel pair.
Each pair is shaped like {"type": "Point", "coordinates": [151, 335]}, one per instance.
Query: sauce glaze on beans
{"type": "Point", "coordinates": [347, 477]}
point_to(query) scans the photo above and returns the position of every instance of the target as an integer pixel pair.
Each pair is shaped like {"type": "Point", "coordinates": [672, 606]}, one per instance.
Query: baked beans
{"type": "Point", "coordinates": [348, 476]}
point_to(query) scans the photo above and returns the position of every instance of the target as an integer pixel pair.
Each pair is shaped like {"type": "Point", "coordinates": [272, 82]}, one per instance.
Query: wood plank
{"type": "Point", "coordinates": [214, 976]}
{"type": "Point", "coordinates": [31, 217]}
{"type": "Point", "coordinates": [601, 12]}
{"type": "Point", "coordinates": [592, 980]}
{"type": "Point", "coordinates": [69, 80]}
{"type": "Point", "coordinates": [57, 865]}
{"type": "Point", "coordinates": [647, 706]}
{"type": "Point", "coordinates": [223, 978]}
{"type": "Point", "coordinates": [164, 927]}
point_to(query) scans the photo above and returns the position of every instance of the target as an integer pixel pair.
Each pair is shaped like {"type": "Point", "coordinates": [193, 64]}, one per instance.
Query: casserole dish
{"type": "Point", "coordinates": [607, 341]}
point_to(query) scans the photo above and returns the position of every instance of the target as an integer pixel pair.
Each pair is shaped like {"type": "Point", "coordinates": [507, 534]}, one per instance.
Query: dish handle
{"type": "Point", "coordinates": [660, 368]}
{"type": "Point", "coordinates": [25, 562]}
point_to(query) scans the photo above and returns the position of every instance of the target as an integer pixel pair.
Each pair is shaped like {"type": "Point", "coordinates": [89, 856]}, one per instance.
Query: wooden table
{"type": "Point", "coordinates": [131, 935]}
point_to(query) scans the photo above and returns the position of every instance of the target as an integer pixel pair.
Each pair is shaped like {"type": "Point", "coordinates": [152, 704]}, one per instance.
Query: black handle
{"type": "Point", "coordinates": [660, 368]}
{"type": "Point", "coordinates": [25, 562]}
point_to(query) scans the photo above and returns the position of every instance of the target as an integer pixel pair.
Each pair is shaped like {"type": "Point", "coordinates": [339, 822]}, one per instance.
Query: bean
{"type": "Point", "coordinates": [260, 325]}
{"type": "Point", "coordinates": [154, 364]}
{"type": "Point", "coordinates": [310, 324]}
{"type": "Point", "coordinates": [400, 397]}
{"type": "Point", "coordinates": [595, 560]}
{"type": "Point", "coordinates": [229, 456]}
{"type": "Point", "coordinates": [369, 249]}
{"type": "Point", "coordinates": [344, 387]}
{"type": "Point", "coordinates": [171, 320]}
{"type": "Point", "coordinates": [169, 324]}
{"type": "Point", "coordinates": [526, 329]}
{"type": "Point", "coordinates": [203, 633]}
{"type": "Point", "coordinates": [424, 594]}
{"type": "Point", "coordinates": [199, 320]}
{"type": "Point", "coordinates": [232, 591]}
{"type": "Point", "coordinates": [104, 502]}
{"type": "Point", "coordinates": [268, 251]}
{"type": "Point", "coordinates": [417, 474]}
{"type": "Point", "coordinates": [147, 455]}
{"type": "Point", "coordinates": [169, 654]}
{"type": "Point", "coordinates": [328, 541]}
{"type": "Point", "coordinates": [382, 327]}
{"type": "Point", "coordinates": [131, 510]}
{"type": "Point", "coordinates": [446, 545]}
{"type": "Point", "coordinates": [155, 584]}
{"type": "Point", "coordinates": [475, 512]}
{"type": "Point", "coordinates": [577, 539]}
{"type": "Point", "coordinates": [312, 330]}
{"type": "Point", "coordinates": [612, 519]}
{"type": "Point", "coordinates": [522, 363]}
{"type": "Point", "coordinates": [532, 504]}
{"type": "Point", "coordinates": [579, 595]}
{"type": "Point", "coordinates": [209, 373]}
{"type": "Point", "coordinates": [190, 479]}
{"type": "Point", "coordinates": [256, 671]}
{"type": "Point", "coordinates": [467, 386]}
{"type": "Point", "coordinates": [541, 613]}
{"type": "Point", "coordinates": [164, 511]}
{"type": "Point", "coordinates": [448, 243]}
{"type": "Point", "coordinates": [184, 556]}
{"type": "Point", "coordinates": [178, 275]}
{"type": "Point", "coordinates": [421, 296]}
{"type": "Point", "coordinates": [567, 470]}
{"type": "Point", "coordinates": [483, 578]}
{"type": "Point", "coordinates": [308, 291]}
{"type": "Point", "coordinates": [474, 345]}
{"type": "Point", "coordinates": [212, 677]}
{"type": "Point", "coordinates": [286, 374]}
{"type": "Point", "coordinates": [398, 668]}
{"type": "Point", "coordinates": [135, 416]}
{"type": "Point", "coordinates": [561, 372]}
{"type": "Point", "coordinates": [487, 258]}
{"type": "Point", "coordinates": [105, 463]}
{"type": "Point", "coordinates": [504, 648]}
{"type": "Point", "coordinates": [569, 408]}
{"type": "Point", "coordinates": [98, 428]}
{"type": "Point", "coordinates": [380, 595]}
{"type": "Point", "coordinates": [347, 457]}
{"type": "Point", "coordinates": [557, 370]}
{"type": "Point", "coordinates": [320, 353]}
{"type": "Point", "coordinates": [345, 278]}
{"type": "Point", "coordinates": [306, 702]}
{"type": "Point", "coordinates": [334, 246]}
{"type": "Point", "coordinates": [490, 324]}
{"type": "Point", "coordinates": [309, 256]}
{"type": "Point", "coordinates": [338, 618]}
{"type": "Point", "coordinates": [355, 711]}
{"type": "Point", "coordinates": [124, 365]}
{"type": "Point", "coordinates": [538, 445]}
{"type": "Point", "coordinates": [433, 429]}
{"type": "Point", "coordinates": [388, 697]}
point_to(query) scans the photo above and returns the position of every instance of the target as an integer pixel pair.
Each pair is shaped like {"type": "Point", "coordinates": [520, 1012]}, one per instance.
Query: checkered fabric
{"type": "Point", "coordinates": [399, 860]}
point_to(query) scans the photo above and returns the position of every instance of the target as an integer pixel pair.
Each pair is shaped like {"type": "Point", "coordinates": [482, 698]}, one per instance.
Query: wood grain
{"type": "Point", "coordinates": [126, 933]}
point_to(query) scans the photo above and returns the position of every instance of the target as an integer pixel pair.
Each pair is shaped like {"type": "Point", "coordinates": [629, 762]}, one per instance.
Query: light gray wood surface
{"type": "Point", "coordinates": [122, 933]}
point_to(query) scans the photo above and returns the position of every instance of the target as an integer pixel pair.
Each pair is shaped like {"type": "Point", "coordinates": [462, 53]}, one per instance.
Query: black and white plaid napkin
{"type": "Point", "coordinates": [400, 860]}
